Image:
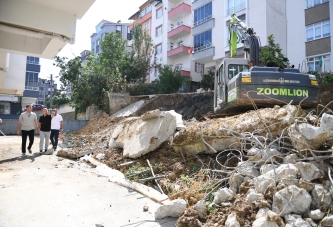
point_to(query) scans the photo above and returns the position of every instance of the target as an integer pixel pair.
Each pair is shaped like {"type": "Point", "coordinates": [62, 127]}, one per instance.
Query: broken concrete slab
{"type": "Point", "coordinates": [262, 182]}
{"type": "Point", "coordinates": [291, 200]}
{"type": "Point", "coordinates": [263, 222]}
{"type": "Point", "coordinates": [174, 208]}
{"type": "Point", "coordinates": [284, 171]}
{"type": "Point", "coordinates": [221, 133]}
{"type": "Point", "coordinates": [129, 110]}
{"type": "Point", "coordinates": [292, 158]}
{"type": "Point", "coordinates": [179, 120]}
{"type": "Point", "coordinates": [305, 136]}
{"type": "Point", "coordinates": [309, 171]}
{"type": "Point", "coordinates": [141, 135]}
{"type": "Point", "coordinates": [73, 153]}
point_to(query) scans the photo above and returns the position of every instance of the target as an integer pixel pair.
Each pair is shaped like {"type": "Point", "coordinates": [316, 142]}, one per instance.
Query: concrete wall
{"type": "Point", "coordinates": [14, 79]}
{"type": "Point", "coordinates": [8, 126]}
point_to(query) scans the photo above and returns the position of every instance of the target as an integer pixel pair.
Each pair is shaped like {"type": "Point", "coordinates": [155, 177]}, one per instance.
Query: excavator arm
{"type": "Point", "coordinates": [248, 37]}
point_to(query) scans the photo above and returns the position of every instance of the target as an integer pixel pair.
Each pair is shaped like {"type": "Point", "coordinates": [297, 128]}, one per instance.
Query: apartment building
{"type": "Point", "coordinates": [169, 24]}
{"type": "Point", "coordinates": [45, 88]}
{"type": "Point", "coordinates": [309, 42]}
{"type": "Point", "coordinates": [104, 27]}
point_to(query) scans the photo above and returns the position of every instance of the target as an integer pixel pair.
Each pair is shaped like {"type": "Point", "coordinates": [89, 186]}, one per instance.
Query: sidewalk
{"type": "Point", "coordinates": [41, 190]}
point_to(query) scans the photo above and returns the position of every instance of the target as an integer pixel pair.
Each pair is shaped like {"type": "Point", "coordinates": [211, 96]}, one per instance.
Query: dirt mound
{"type": "Point", "coordinates": [188, 105]}
{"type": "Point", "coordinates": [326, 95]}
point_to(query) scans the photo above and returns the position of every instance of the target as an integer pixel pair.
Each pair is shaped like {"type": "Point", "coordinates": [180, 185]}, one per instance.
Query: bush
{"type": "Point", "coordinates": [144, 89]}
{"type": "Point", "coordinates": [323, 78]}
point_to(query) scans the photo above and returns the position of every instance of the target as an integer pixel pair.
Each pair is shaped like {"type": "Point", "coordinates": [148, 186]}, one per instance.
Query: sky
{"type": "Point", "coordinates": [111, 10]}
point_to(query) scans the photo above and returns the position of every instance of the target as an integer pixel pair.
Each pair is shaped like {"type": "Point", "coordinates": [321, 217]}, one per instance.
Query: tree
{"type": "Point", "coordinates": [112, 60]}
{"type": "Point", "coordinates": [207, 81]}
{"type": "Point", "coordinates": [170, 80]}
{"type": "Point", "coordinates": [271, 55]}
{"type": "Point", "coordinates": [139, 59]}
{"type": "Point", "coordinates": [58, 99]}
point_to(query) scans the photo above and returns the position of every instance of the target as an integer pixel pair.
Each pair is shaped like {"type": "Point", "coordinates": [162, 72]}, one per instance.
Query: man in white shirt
{"type": "Point", "coordinates": [56, 127]}
{"type": "Point", "coordinates": [29, 124]}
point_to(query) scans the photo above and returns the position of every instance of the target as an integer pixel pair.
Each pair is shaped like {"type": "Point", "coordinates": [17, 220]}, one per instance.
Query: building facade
{"type": "Point", "coordinates": [104, 27]}
{"type": "Point", "coordinates": [45, 88]}
{"type": "Point", "coordinates": [194, 36]}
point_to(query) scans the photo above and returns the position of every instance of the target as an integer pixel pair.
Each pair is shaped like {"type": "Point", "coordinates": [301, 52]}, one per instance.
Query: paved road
{"type": "Point", "coordinates": [45, 190]}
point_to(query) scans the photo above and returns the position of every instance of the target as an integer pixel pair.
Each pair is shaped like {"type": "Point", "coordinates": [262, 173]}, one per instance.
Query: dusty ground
{"type": "Point", "coordinates": [41, 190]}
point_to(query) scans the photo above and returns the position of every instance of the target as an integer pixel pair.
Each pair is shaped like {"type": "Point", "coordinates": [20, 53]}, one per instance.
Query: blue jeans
{"type": "Point", "coordinates": [54, 138]}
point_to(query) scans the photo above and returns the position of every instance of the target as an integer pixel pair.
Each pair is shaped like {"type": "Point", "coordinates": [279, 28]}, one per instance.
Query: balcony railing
{"type": "Point", "coordinates": [236, 8]}
{"type": "Point", "coordinates": [171, 28]}
{"type": "Point", "coordinates": [202, 20]}
{"type": "Point", "coordinates": [178, 45]}
{"type": "Point", "coordinates": [203, 47]}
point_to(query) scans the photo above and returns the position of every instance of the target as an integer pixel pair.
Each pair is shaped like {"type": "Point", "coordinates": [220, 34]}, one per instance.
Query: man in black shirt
{"type": "Point", "coordinates": [45, 128]}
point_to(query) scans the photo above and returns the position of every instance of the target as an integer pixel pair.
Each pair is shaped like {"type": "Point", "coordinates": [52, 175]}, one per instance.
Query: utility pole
{"type": "Point", "coordinates": [51, 91]}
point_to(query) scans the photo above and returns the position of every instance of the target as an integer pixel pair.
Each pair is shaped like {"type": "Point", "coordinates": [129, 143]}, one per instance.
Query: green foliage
{"type": "Point", "coordinates": [322, 78]}
{"type": "Point", "coordinates": [144, 89]}
{"type": "Point", "coordinates": [57, 100]}
{"type": "Point", "coordinates": [138, 61]}
{"type": "Point", "coordinates": [170, 80]}
{"type": "Point", "coordinates": [272, 56]}
{"type": "Point", "coordinates": [207, 81]}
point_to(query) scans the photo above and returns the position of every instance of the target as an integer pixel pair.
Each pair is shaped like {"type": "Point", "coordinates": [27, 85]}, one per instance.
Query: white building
{"type": "Point", "coordinates": [37, 28]}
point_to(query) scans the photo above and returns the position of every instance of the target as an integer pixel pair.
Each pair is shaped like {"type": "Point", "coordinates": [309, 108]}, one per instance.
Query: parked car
{"type": "Point", "coordinates": [37, 107]}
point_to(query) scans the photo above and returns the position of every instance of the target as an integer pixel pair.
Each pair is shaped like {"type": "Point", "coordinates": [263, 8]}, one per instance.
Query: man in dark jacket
{"type": "Point", "coordinates": [45, 129]}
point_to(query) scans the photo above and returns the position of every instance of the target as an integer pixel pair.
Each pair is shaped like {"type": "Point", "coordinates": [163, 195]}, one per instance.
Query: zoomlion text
{"type": "Point", "coordinates": [282, 92]}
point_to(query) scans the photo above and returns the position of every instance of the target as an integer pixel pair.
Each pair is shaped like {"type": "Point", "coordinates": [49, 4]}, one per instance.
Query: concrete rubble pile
{"type": "Point", "coordinates": [282, 173]}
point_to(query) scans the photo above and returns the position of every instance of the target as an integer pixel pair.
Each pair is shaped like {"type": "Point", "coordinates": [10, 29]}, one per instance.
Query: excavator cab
{"type": "Point", "coordinates": [238, 87]}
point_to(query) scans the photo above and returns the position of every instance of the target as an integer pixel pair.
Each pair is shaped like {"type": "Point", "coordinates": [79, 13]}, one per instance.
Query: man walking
{"type": "Point", "coordinates": [56, 127]}
{"type": "Point", "coordinates": [29, 124]}
{"type": "Point", "coordinates": [44, 126]}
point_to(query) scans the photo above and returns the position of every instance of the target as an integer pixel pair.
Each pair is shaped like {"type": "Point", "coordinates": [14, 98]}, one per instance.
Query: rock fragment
{"type": "Point", "coordinates": [174, 208]}
{"type": "Point", "coordinates": [291, 200]}
{"type": "Point", "coordinates": [232, 221]}
{"type": "Point", "coordinates": [222, 195]}
{"type": "Point", "coordinates": [320, 197]}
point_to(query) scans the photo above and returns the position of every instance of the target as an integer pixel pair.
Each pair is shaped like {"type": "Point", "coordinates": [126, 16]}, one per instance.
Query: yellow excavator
{"type": "Point", "coordinates": [241, 83]}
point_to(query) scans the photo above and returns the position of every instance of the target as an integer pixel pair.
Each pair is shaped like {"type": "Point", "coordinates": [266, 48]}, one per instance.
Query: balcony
{"type": "Point", "coordinates": [185, 72]}
{"type": "Point", "coordinates": [179, 31]}
{"type": "Point", "coordinates": [204, 54]}
{"type": "Point", "coordinates": [179, 51]}
{"type": "Point", "coordinates": [203, 25]}
{"type": "Point", "coordinates": [180, 10]}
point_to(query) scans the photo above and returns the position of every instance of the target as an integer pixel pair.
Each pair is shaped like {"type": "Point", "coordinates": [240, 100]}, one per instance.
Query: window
{"type": "Point", "coordinates": [203, 40]}
{"type": "Point", "coordinates": [203, 14]}
{"type": "Point", "coordinates": [199, 67]}
{"type": "Point", "coordinates": [145, 11]}
{"type": "Point", "coordinates": [235, 6]}
{"type": "Point", "coordinates": [146, 26]}
{"type": "Point", "coordinates": [118, 28]}
{"type": "Point", "coordinates": [4, 108]}
{"type": "Point", "coordinates": [318, 30]}
{"type": "Point", "coordinates": [233, 70]}
{"type": "Point", "coordinates": [158, 31]}
{"type": "Point", "coordinates": [158, 49]}
{"type": "Point", "coordinates": [97, 45]}
{"type": "Point", "coordinates": [31, 81]}
{"type": "Point", "coordinates": [311, 3]}
{"type": "Point", "coordinates": [319, 64]}
{"type": "Point", "coordinates": [159, 12]}
{"type": "Point", "coordinates": [32, 60]}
